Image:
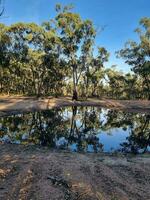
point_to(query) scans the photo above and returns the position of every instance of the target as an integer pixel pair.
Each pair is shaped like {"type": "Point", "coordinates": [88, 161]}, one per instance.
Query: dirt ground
{"type": "Point", "coordinates": [40, 174]}
{"type": "Point", "coordinates": [16, 104]}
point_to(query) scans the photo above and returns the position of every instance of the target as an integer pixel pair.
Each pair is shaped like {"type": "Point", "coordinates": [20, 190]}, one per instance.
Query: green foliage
{"type": "Point", "coordinates": [138, 54]}
{"type": "Point", "coordinates": [58, 58]}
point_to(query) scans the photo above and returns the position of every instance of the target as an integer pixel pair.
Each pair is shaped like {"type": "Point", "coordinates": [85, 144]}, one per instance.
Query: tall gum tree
{"type": "Point", "coordinates": [138, 54]}
{"type": "Point", "coordinates": [77, 38]}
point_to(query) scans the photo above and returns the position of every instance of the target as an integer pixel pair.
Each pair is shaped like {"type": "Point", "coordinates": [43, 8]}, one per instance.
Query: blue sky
{"type": "Point", "coordinates": [119, 17]}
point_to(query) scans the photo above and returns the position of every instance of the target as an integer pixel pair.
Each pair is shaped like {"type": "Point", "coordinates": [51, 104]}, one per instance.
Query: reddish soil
{"type": "Point", "coordinates": [40, 174]}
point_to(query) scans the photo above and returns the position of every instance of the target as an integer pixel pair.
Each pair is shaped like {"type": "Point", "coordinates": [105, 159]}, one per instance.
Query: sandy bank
{"type": "Point", "coordinates": [22, 104]}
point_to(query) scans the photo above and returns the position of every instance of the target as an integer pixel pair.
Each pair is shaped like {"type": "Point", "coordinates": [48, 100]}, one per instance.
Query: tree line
{"type": "Point", "coordinates": [58, 58]}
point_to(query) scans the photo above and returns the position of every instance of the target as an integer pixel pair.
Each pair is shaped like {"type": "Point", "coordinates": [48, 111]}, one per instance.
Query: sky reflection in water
{"type": "Point", "coordinates": [81, 129]}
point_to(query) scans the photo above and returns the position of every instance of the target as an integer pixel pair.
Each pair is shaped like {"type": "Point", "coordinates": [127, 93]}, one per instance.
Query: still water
{"type": "Point", "coordinates": [79, 129]}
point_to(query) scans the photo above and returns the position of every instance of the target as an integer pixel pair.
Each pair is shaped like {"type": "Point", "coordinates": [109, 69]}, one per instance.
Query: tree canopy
{"type": "Point", "coordinates": [59, 58]}
{"type": "Point", "coordinates": [138, 55]}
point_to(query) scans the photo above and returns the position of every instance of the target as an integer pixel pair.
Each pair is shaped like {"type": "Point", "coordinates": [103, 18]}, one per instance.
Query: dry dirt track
{"type": "Point", "coordinates": [39, 174]}
{"type": "Point", "coordinates": [21, 104]}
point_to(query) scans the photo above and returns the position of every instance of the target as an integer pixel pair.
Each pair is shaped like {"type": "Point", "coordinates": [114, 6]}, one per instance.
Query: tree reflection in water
{"type": "Point", "coordinates": [77, 128]}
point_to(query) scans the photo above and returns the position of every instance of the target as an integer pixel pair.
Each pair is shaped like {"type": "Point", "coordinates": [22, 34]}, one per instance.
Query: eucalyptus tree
{"type": "Point", "coordinates": [77, 37]}
{"type": "Point", "coordinates": [21, 38]}
{"type": "Point", "coordinates": [40, 59]}
{"type": "Point", "coordinates": [4, 58]}
{"type": "Point", "coordinates": [35, 72]}
{"type": "Point", "coordinates": [53, 60]}
{"type": "Point", "coordinates": [115, 80]}
{"type": "Point", "coordinates": [132, 87]}
{"type": "Point", "coordinates": [138, 55]}
{"type": "Point", "coordinates": [97, 73]}
{"type": "Point", "coordinates": [29, 60]}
